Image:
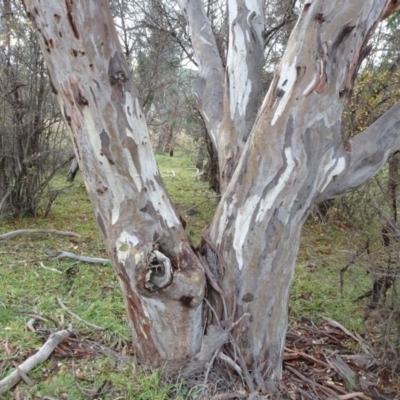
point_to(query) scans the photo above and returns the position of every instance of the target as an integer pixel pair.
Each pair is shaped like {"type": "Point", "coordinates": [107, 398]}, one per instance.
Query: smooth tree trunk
{"type": "Point", "coordinates": [277, 160]}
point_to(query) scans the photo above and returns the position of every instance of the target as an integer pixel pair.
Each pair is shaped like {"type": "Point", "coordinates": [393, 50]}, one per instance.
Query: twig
{"type": "Point", "coordinates": [213, 311]}
{"type": "Point", "coordinates": [56, 255]}
{"type": "Point", "coordinates": [300, 354]}
{"type": "Point", "coordinates": [168, 174]}
{"type": "Point", "coordinates": [349, 396]}
{"type": "Point", "coordinates": [42, 355]}
{"type": "Point", "coordinates": [30, 323]}
{"type": "Point", "coordinates": [49, 269]}
{"type": "Point", "coordinates": [353, 259]}
{"type": "Point", "coordinates": [236, 323]}
{"type": "Point", "coordinates": [210, 364]}
{"type": "Point", "coordinates": [63, 306]}
{"type": "Point", "coordinates": [10, 235]}
{"type": "Point", "coordinates": [230, 362]}
{"type": "Point", "coordinates": [202, 202]}
{"type": "Point", "coordinates": [245, 370]}
{"type": "Point", "coordinates": [360, 341]}
{"type": "Point", "coordinates": [313, 384]}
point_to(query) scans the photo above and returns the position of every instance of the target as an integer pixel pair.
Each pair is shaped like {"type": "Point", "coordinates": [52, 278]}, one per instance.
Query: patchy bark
{"type": "Point", "coordinates": [142, 232]}
{"type": "Point", "coordinates": [293, 159]}
{"type": "Point", "coordinates": [229, 106]}
{"type": "Point", "coordinates": [277, 163]}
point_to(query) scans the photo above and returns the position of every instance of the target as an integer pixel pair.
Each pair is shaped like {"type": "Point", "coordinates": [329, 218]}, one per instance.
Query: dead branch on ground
{"type": "Point", "coordinates": [42, 355]}
{"type": "Point", "coordinates": [56, 255]}
{"type": "Point", "coordinates": [64, 307]}
{"type": "Point", "coordinates": [13, 234]}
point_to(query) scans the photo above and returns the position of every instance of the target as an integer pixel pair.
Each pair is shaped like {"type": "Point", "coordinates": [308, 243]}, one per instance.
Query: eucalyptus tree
{"type": "Point", "coordinates": [279, 155]}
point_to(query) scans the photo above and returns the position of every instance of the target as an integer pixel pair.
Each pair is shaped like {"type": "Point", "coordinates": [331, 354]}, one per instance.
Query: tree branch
{"type": "Point", "coordinates": [243, 85]}
{"type": "Point", "coordinates": [367, 153]}
{"type": "Point", "coordinates": [64, 307]}
{"type": "Point", "coordinates": [208, 88]}
{"type": "Point", "coordinates": [56, 255]}
{"type": "Point", "coordinates": [42, 355]}
{"type": "Point", "coordinates": [10, 235]}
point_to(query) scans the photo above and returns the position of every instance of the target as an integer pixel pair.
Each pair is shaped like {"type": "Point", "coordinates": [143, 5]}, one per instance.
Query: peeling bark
{"type": "Point", "coordinates": [229, 106]}
{"type": "Point", "coordinates": [243, 87]}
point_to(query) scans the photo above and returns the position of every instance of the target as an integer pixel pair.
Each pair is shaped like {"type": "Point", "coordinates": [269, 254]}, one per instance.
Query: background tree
{"type": "Point", "coordinates": [278, 157]}
{"type": "Point", "coordinates": [30, 123]}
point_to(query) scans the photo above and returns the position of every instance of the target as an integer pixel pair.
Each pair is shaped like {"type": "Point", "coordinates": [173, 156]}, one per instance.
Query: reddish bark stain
{"type": "Point", "coordinates": [68, 4]}
{"type": "Point", "coordinates": [67, 95]}
{"type": "Point", "coordinates": [78, 96]}
{"type": "Point", "coordinates": [319, 18]}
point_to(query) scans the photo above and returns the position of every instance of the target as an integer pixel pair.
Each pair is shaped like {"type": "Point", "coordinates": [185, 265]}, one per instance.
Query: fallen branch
{"type": "Point", "coordinates": [294, 354]}
{"type": "Point", "coordinates": [313, 384]}
{"type": "Point", "coordinates": [42, 355]}
{"type": "Point", "coordinates": [56, 255]}
{"type": "Point", "coordinates": [49, 269]}
{"type": "Point", "coordinates": [10, 235]}
{"type": "Point", "coordinates": [64, 307]}
{"type": "Point", "coordinates": [358, 339]}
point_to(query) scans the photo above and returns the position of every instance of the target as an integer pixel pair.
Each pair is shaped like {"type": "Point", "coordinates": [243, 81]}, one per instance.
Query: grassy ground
{"type": "Point", "coordinates": [92, 292]}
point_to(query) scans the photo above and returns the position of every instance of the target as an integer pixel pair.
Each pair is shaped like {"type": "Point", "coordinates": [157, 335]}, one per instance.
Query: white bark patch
{"type": "Point", "coordinates": [149, 166]}
{"type": "Point", "coordinates": [285, 85]}
{"type": "Point", "coordinates": [126, 247]}
{"type": "Point", "coordinates": [311, 85]}
{"type": "Point", "coordinates": [162, 205]}
{"type": "Point", "coordinates": [339, 168]}
{"type": "Point", "coordinates": [239, 82]}
{"type": "Point", "coordinates": [242, 226]}
{"type": "Point", "coordinates": [222, 223]}
{"type": "Point", "coordinates": [272, 195]}
{"type": "Point", "coordinates": [232, 9]}
{"type": "Point", "coordinates": [227, 211]}
{"type": "Point", "coordinates": [240, 86]}
{"type": "Point", "coordinates": [204, 40]}
{"type": "Point", "coordinates": [213, 137]}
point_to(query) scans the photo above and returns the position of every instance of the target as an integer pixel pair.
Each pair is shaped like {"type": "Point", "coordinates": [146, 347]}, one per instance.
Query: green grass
{"type": "Point", "coordinates": [92, 291]}
{"type": "Point", "coordinates": [316, 289]}
{"type": "Point", "coordinates": [191, 196]}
